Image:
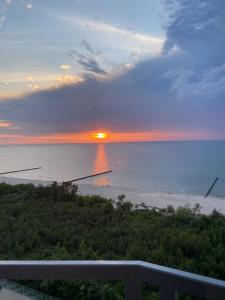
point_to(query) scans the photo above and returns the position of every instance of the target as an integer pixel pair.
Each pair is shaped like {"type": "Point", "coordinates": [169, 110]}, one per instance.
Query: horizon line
{"type": "Point", "coordinates": [116, 142]}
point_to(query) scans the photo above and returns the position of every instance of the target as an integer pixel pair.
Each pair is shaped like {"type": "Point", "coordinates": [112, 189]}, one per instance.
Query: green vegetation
{"type": "Point", "coordinates": [55, 223]}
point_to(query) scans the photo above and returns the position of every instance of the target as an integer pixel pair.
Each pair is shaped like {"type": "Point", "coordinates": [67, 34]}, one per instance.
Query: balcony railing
{"type": "Point", "coordinates": [171, 282]}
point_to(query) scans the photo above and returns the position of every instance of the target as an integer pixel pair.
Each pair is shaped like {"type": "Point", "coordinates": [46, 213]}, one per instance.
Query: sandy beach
{"type": "Point", "coordinates": [158, 199]}
{"type": "Point", "coordinates": [155, 199]}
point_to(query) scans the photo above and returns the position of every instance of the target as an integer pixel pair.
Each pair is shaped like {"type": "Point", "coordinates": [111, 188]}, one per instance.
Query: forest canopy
{"type": "Point", "coordinates": [55, 222]}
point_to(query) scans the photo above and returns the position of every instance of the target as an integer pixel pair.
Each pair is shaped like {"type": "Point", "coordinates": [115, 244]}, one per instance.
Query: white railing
{"type": "Point", "coordinates": [170, 281]}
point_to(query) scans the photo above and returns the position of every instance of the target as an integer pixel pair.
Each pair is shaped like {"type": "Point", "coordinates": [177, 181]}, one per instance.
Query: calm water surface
{"type": "Point", "coordinates": [176, 167]}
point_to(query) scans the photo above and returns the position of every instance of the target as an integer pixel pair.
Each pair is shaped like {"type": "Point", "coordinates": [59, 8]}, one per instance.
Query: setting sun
{"type": "Point", "coordinates": [100, 135]}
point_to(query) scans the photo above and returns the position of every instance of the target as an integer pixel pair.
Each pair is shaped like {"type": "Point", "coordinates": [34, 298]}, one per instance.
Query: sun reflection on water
{"type": "Point", "coordinates": [101, 164]}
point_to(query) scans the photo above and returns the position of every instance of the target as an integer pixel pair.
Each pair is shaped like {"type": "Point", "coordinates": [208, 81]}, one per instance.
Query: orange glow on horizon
{"type": "Point", "coordinates": [112, 137]}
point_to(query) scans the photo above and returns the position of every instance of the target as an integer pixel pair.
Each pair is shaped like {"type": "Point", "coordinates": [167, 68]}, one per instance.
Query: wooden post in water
{"type": "Point", "coordinates": [24, 170]}
{"type": "Point", "coordinates": [89, 176]}
{"type": "Point", "coordinates": [211, 187]}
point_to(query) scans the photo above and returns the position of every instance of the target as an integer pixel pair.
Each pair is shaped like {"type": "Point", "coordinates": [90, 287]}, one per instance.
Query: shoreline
{"type": "Point", "coordinates": [155, 199]}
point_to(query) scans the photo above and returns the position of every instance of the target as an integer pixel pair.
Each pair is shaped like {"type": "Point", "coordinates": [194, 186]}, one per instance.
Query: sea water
{"type": "Point", "coordinates": [170, 167]}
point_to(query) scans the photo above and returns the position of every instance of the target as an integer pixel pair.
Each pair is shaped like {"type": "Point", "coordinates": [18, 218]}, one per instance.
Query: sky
{"type": "Point", "coordinates": [137, 70]}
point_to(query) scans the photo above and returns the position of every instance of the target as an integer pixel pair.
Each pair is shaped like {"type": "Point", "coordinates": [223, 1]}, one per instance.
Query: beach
{"type": "Point", "coordinates": [153, 199]}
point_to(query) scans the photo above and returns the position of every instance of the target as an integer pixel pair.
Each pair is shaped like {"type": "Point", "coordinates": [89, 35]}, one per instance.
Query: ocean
{"type": "Point", "coordinates": [154, 167]}
{"type": "Point", "coordinates": [157, 173]}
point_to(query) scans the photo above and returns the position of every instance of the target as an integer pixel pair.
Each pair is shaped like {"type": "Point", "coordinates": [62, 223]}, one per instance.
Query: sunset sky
{"type": "Point", "coordinates": [134, 70]}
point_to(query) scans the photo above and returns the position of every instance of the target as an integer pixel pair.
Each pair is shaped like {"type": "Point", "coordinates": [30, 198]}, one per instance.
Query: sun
{"type": "Point", "coordinates": [100, 135]}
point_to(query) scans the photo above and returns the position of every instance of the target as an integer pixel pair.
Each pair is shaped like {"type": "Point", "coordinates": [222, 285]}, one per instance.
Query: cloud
{"type": "Point", "coordinates": [2, 19]}
{"type": "Point", "coordinates": [97, 25]}
{"type": "Point", "coordinates": [69, 79]}
{"type": "Point", "coordinates": [4, 124]}
{"type": "Point", "coordinates": [65, 67]}
{"type": "Point", "coordinates": [180, 90]}
{"type": "Point", "coordinates": [20, 84]}
{"type": "Point", "coordinates": [192, 84]}
{"type": "Point", "coordinates": [28, 6]}
{"type": "Point", "coordinates": [4, 5]}
{"type": "Point", "coordinates": [115, 36]}
{"type": "Point", "coordinates": [30, 78]}
{"type": "Point", "coordinates": [89, 64]}
{"type": "Point", "coordinates": [34, 87]}
{"type": "Point", "coordinates": [89, 48]}
{"type": "Point", "coordinates": [197, 29]}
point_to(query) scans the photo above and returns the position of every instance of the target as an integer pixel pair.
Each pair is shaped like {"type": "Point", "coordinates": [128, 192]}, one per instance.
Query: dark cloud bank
{"type": "Point", "coordinates": [182, 89]}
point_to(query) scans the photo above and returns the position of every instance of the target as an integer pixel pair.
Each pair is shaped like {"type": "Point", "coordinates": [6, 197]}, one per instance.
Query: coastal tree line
{"type": "Point", "coordinates": [54, 222]}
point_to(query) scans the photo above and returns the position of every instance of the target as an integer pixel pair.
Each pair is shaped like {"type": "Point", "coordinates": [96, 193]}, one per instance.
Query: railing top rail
{"type": "Point", "coordinates": [70, 263]}
{"type": "Point", "coordinates": [108, 264]}
{"type": "Point", "coordinates": [183, 275]}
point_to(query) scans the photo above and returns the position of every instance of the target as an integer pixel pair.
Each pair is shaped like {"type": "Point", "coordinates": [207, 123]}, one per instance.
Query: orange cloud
{"type": "Point", "coordinates": [4, 124]}
{"type": "Point", "coordinates": [69, 79]}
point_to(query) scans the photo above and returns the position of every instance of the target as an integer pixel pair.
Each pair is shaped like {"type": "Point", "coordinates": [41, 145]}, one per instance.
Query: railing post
{"type": "Point", "coordinates": [167, 293]}
{"type": "Point", "coordinates": [133, 289]}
